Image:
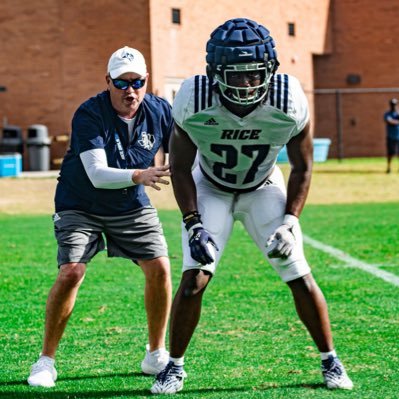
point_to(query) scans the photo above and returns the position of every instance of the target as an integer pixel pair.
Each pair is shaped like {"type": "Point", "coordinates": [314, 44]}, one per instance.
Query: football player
{"type": "Point", "coordinates": [235, 121]}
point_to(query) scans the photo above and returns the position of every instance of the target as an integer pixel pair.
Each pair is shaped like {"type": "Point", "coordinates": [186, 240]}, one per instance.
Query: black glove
{"type": "Point", "coordinates": [198, 239]}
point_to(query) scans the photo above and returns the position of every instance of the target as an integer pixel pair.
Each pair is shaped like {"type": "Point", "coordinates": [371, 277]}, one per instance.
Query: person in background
{"type": "Point", "coordinates": [235, 121]}
{"type": "Point", "coordinates": [100, 198]}
{"type": "Point", "coordinates": [391, 119]}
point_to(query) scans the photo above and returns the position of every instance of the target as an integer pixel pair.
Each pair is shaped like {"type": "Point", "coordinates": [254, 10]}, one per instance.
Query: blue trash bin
{"type": "Point", "coordinates": [320, 151]}
{"type": "Point", "coordinates": [10, 165]}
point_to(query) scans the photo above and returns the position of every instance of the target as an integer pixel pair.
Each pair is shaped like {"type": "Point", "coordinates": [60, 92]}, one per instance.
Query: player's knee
{"type": "Point", "coordinates": [72, 274]}
{"type": "Point", "coordinates": [305, 283]}
{"type": "Point", "coordinates": [194, 283]}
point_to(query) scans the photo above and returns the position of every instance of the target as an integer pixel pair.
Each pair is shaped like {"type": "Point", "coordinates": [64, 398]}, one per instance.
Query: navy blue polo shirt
{"type": "Point", "coordinates": [97, 125]}
{"type": "Point", "coordinates": [392, 130]}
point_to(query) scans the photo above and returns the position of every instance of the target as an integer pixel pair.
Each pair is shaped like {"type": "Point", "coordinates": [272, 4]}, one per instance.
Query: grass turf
{"type": "Point", "coordinates": [249, 343]}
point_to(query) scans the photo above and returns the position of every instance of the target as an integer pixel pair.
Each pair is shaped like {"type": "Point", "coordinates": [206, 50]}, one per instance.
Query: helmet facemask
{"type": "Point", "coordinates": [248, 94]}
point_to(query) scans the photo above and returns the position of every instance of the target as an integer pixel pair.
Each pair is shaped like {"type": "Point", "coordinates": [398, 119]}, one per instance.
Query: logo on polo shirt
{"type": "Point", "coordinates": [147, 140]}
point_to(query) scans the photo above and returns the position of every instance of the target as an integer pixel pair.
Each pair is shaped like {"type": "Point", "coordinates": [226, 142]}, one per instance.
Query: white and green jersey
{"type": "Point", "coordinates": [239, 153]}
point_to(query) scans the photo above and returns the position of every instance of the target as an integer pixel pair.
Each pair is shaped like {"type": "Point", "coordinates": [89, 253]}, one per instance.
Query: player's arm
{"type": "Point", "coordinates": [182, 152]}
{"type": "Point", "coordinates": [300, 153]}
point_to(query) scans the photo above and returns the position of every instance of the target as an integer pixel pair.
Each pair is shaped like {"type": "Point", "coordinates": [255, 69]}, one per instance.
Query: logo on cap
{"type": "Point", "coordinates": [129, 56]}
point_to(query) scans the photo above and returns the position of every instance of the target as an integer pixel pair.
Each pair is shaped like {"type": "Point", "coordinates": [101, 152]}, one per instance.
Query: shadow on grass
{"type": "Point", "coordinates": [53, 393]}
{"type": "Point", "coordinates": [77, 378]}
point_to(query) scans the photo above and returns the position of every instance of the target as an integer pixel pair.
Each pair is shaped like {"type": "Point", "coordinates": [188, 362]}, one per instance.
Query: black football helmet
{"type": "Point", "coordinates": [241, 45]}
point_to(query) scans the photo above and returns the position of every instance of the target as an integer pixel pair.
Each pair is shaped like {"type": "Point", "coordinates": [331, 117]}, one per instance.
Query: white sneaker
{"type": "Point", "coordinates": [43, 373]}
{"type": "Point", "coordinates": [154, 362]}
{"type": "Point", "coordinates": [170, 380]}
{"type": "Point", "coordinates": [334, 374]}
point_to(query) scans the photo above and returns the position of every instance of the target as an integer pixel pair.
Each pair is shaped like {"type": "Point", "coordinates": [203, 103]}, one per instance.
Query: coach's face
{"type": "Point", "coordinates": [127, 92]}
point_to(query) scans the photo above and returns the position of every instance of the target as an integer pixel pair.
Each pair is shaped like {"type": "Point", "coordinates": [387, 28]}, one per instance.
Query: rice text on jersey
{"type": "Point", "coordinates": [240, 134]}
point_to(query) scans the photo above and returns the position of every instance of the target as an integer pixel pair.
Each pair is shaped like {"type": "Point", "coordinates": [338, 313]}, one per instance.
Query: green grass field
{"type": "Point", "coordinates": [249, 343]}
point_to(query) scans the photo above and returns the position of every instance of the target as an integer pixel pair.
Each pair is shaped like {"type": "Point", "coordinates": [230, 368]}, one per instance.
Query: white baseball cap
{"type": "Point", "coordinates": [126, 59]}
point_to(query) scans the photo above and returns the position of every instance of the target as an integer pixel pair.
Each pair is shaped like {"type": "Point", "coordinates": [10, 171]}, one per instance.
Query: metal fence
{"type": "Point", "coordinates": [352, 119]}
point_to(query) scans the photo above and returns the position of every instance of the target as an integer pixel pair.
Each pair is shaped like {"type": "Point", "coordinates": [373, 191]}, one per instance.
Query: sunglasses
{"type": "Point", "coordinates": [122, 84]}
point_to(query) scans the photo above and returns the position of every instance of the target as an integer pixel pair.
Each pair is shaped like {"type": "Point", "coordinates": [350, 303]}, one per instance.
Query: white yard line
{"type": "Point", "coordinates": [352, 262]}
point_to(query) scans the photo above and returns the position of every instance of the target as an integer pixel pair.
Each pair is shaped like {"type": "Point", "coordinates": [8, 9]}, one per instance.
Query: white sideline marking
{"type": "Point", "coordinates": [352, 262]}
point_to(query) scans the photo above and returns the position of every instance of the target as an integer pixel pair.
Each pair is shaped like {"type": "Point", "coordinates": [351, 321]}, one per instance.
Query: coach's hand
{"type": "Point", "coordinates": [151, 176]}
{"type": "Point", "coordinates": [198, 239]}
{"type": "Point", "coordinates": [283, 239]}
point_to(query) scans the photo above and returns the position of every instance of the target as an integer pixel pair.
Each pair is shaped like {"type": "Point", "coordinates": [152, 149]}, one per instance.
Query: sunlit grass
{"type": "Point", "coordinates": [249, 343]}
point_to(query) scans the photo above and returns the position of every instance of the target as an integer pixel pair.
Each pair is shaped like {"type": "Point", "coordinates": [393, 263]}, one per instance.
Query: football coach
{"type": "Point", "coordinates": [100, 198]}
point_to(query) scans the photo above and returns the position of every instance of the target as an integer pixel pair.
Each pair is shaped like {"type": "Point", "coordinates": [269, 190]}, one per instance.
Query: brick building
{"type": "Point", "coordinates": [362, 60]}
{"type": "Point", "coordinates": [54, 55]}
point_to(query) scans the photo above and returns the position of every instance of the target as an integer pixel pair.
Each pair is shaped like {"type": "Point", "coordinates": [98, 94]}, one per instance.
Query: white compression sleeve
{"type": "Point", "coordinates": [101, 175]}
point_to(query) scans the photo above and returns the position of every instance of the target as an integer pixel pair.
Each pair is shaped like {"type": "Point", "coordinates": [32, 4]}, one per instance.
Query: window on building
{"type": "Point", "coordinates": [291, 29]}
{"type": "Point", "coordinates": [176, 16]}
{"type": "Point", "coordinates": [353, 79]}
{"type": "Point", "coordinates": [172, 85]}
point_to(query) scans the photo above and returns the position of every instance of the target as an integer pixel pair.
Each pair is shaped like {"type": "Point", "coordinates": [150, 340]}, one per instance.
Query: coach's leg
{"type": "Point", "coordinates": [312, 310]}
{"type": "Point", "coordinates": [389, 161]}
{"type": "Point", "coordinates": [186, 310]}
{"type": "Point", "coordinates": [60, 303]}
{"type": "Point", "coordinates": [157, 298]}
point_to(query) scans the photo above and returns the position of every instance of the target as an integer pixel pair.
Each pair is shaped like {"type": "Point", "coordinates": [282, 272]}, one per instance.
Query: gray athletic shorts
{"type": "Point", "coordinates": [137, 235]}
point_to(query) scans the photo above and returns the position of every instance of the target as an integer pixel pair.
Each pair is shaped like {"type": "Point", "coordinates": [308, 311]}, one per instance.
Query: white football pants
{"type": "Point", "coordinates": [260, 211]}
